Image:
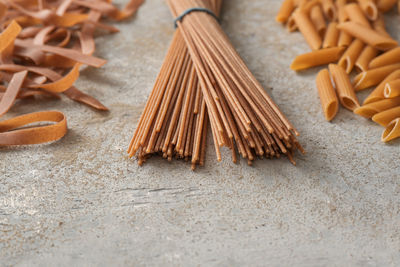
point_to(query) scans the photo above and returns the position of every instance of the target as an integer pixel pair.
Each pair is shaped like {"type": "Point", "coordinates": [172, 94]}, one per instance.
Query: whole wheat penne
{"type": "Point", "coordinates": [327, 95]}
{"type": "Point", "coordinates": [392, 131]}
{"type": "Point", "coordinates": [329, 9]}
{"type": "Point", "coordinates": [308, 5]}
{"type": "Point", "coordinates": [331, 36]}
{"type": "Point", "coordinates": [345, 39]}
{"type": "Point", "coordinates": [367, 35]}
{"type": "Point", "coordinates": [318, 20]}
{"type": "Point", "coordinates": [291, 25]}
{"type": "Point", "coordinates": [388, 58]}
{"type": "Point", "coordinates": [385, 5]}
{"type": "Point", "coordinates": [380, 27]}
{"type": "Point", "coordinates": [368, 54]}
{"type": "Point", "coordinates": [308, 30]}
{"type": "Point", "coordinates": [317, 58]}
{"type": "Point", "coordinates": [373, 77]}
{"type": "Point", "coordinates": [369, 8]}
{"type": "Point", "coordinates": [345, 90]}
{"type": "Point", "coordinates": [350, 56]}
{"type": "Point", "coordinates": [285, 11]}
{"type": "Point", "coordinates": [392, 89]}
{"type": "Point", "coordinates": [378, 93]}
{"type": "Point", "coordinates": [369, 110]}
{"type": "Point", "coordinates": [356, 14]}
{"type": "Point", "coordinates": [385, 117]}
{"type": "Point", "coordinates": [341, 12]}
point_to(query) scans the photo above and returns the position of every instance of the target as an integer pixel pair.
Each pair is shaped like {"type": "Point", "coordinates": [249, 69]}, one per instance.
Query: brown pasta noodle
{"type": "Point", "coordinates": [368, 36]}
{"type": "Point", "coordinates": [373, 77]}
{"type": "Point", "coordinates": [392, 89]}
{"type": "Point", "coordinates": [350, 56]}
{"type": "Point", "coordinates": [327, 95]}
{"type": "Point", "coordinates": [285, 11]}
{"type": "Point", "coordinates": [366, 56]}
{"type": "Point", "coordinates": [332, 36]}
{"type": "Point", "coordinates": [386, 5]}
{"type": "Point", "coordinates": [329, 9]}
{"type": "Point", "coordinates": [378, 93]}
{"type": "Point", "coordinates": [308, 30]}
{"type": "Point", "coordinates": [369, 110]}
{"type": "Point", "coordinates": [369, 8]}
{"type": "Point", "coordinates": [385, 117]}
{"type": "Point", "coordinates": [356, 14]}
{"type": "Point", "coordinates": [392, 131]}
{"type": "Point", "coordinates": [318, 20]}
{"type": "Point", "coordinates": [317, 58]}
{"type": "Point", "coordinates": [388, 58]}
{"type": "Point", "coordinates": [344, 87]}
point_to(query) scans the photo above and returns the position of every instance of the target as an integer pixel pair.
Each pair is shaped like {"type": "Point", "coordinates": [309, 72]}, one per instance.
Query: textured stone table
{"type": "Point", "coordinates": [82, 202]}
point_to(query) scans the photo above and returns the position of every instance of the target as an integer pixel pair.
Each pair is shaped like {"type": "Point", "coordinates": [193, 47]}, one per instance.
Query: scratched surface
{"type": "Point", "coordinates": [82, 202]}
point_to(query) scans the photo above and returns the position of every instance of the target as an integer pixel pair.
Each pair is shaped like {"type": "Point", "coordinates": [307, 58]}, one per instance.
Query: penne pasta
{"type": "Point", "coordinates": [380, 27]}
{"type": "Point", "coordinates": [307, 29]}
{"type": "Point", "coordinates": [367, 35]}
{"type": "Point", "coordinates": [373, 77]}
{"type": "Point", "coordinates": [345, 39]}
{"type": "Point", "coordinates": [385, 5]}
{"type": "Point", "coordinates": [369, 110]}
{"type": "Point", "coordinates": [392, 89]}
{"type": "Point", "coordinates": [317, 58]}
{"type": "Point", "coordinates": [378, 93]}
{"type": "Point", "coordinates": [388, 58]}
{"type": "Point", "coordinates": [385, 117]}
{"type": "Point", "coordinates": [366, 56]}
{"type": "Point", "coordinates": [369, 8]}
{"type": "Point", "coordinates": [341, 11]}
{"type": "Point", "coordinates": [327, 95]}
{"type": "Point", "coordinates": [356, 14]}
{"type": "Point", "coordinates": [392, 131]}
{"type": "Point", "coordinates": [332, 36]}
{"type": "Point", "coordinates": [345, 90]}
{"type": "Point", "coordinates": [285, 11]}
{"type": "Point", "coordinates": [350, 56]}
{"type": "Point", "coordinates": [329, 9]}
{"type": "Point", "coordinates": [291, 24]}
{"type": "Point", "coordinates": [318, 20]}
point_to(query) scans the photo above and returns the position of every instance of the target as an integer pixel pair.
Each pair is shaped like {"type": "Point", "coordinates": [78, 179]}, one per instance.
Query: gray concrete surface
{"type": "Point", "coordinates": [82, 202]}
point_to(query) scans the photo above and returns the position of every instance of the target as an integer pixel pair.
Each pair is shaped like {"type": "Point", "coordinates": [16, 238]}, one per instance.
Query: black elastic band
{"type": "Point", "coordinates": [194, 9]}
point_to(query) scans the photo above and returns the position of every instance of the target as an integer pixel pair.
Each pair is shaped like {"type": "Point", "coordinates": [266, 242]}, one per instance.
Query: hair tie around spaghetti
{"type": "Point", "coordinates": [194, 9]}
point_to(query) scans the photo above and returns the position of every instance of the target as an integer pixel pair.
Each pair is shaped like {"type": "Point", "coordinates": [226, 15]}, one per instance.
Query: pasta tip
{"type": "Point", "coordinates": [392, 131]}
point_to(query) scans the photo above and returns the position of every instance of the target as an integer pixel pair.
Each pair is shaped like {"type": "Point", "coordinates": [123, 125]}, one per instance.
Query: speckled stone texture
{"type": "Point", "coordinates": [82, 202]}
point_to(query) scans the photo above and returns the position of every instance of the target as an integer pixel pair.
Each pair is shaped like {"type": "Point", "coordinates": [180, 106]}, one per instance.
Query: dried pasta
{"type": "Point", "coordinates": [344, 87]}
{"type": "Point", "coordinates": [392, 131]}
{"type": "Point", "coordinates": [318, 20]}
{"type": "Point", "coordinates": [356, 14]}
{"type": "Point", "coordinates": [392, 89]}
{"type": "Point", "coordinates": [285, 11]}
{"type": "Point", "coordinates": [369, 8]}
{"type": "Point", "coordinates": [368, 54]}
{"type": "Point", "coordinates": [388, 58]}
{"type": "Point", "coordinates": [329, 9]}
{"type": "Point", "coordinates": [369, 110]}
{"type": "Point", "coordinates": [332, 36]}
{"type": "Point", "coordinates": [308, 30]}
{"type": "Point", "coordinates": [368, 36]}
{"type": "Point", "coordinates": [317, 58]}
{"type": "Point", "coordinates": [373, 77]}
{"type": "Point", "coordinates": [386, 5]}
{"type": "Point", "coordinates": [327, 95]}
{"type": "Point", "coordinates": [385, 117]}
{"type": "Point", "coordinates": [350, 56]}
{"type": "Point", "coordinates": [378, 93]}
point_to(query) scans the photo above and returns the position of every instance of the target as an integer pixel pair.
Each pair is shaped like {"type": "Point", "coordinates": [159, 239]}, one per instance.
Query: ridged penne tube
{"type": "Point", "coordinates": [356, 14]}
{"type": "Point", "coordinates": [369, 110]}
{"type": "Point", "coordinates": [285, 11]}
{"type": "Point", "coordinates": [350, 56]}
{"type": "Point", "coordinates": [385, 117]}
{"type": "Point", "coordinates": [368, 54]}
{"type": "Point", "coordinates": [332, 36]}
{"type": "Point", "coordinates": [385, 5]}
{"type": "Point", "coordinates": [327, 94]}
{"type": "Point", "coordinates": [341, 11]}
{"type": "Point", "coordinates": [291, 25]}
{"type": "Point", "coordinates": [388, 58]}
{"type": "Point", "coordinates": [367, 35]}
{"type": "Point", "coordinates": [345, 90]}
{"type": "Point", "coordinates": [308, 30]}
{"type": "Point", "coordinates": [392, 89]}
{"type": "Point", "coordinates": [380, 27]}
{"type": "Point", "coordinates": [345, 39]}
{"type": "Point", "coordinates": [318, 20]}
{"type": "Point", "coordinates": [373, 77]}
{"type": "Point", "coordinates": [329, 9]}
{"type": "Point", "coordinates": [317, 58]}
{"type": "Point", "coordinates": [369, 8]}
{"type": "Point", "coordinates": [392, 131]}
{"type": "Point", "coordinates": [378, 93]}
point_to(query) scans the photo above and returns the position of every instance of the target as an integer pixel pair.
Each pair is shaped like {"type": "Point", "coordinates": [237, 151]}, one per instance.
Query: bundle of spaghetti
{"type": "Point", "coordinates": [241, 115]}
{"type": "Point", "coordinates": [43, 45]}
{"type": "Point", "coordinates": [356, 40]}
